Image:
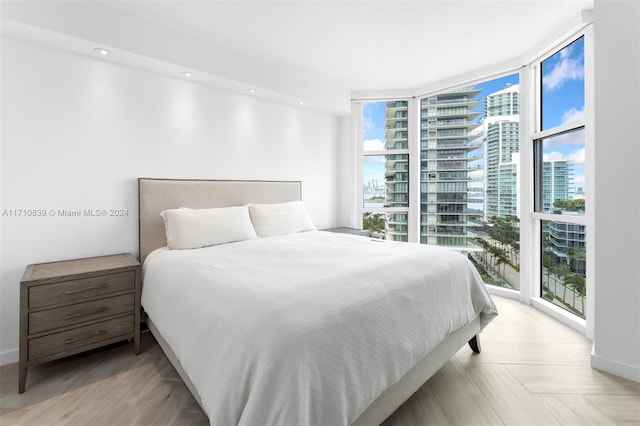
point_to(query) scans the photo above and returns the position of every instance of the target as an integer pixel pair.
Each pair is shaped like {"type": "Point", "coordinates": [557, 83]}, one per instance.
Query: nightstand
{"type": "Point", "coordinates": [76, 305]}
{"type": "Point", "coordinates": [345, 230]}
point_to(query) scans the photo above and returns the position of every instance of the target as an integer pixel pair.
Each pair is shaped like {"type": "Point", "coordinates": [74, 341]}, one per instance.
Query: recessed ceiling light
{"type": "Point", "coordinates": [101, 51]}
{"type": "Point", "coordinates": [251, 90]}
{"type": "Point", "coordinates": [187, 74]}
{"type": "Point", "coordinates": [301, 103]}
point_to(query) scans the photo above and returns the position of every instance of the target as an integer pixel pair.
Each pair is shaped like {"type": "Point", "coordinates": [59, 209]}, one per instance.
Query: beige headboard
{"type": "Point", "coordinates": [156, 195]}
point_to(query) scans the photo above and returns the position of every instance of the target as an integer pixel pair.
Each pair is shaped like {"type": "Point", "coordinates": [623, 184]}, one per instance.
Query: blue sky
{"type": "Point", "coordinates": [373, 116]}
{"type": "Point", "coordinates": [563, 101]}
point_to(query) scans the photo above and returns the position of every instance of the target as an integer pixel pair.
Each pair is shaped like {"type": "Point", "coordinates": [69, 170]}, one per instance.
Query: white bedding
{"type": "Point", "coordinates": [306, 328]}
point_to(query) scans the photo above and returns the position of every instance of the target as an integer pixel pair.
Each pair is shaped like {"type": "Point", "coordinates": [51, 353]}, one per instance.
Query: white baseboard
{"type": "Point", "coordinates": [9, 357]}
{"type": "Point", "coordinates": [503, 292]}
{"type": "Point", "coordinates": [631, 372]}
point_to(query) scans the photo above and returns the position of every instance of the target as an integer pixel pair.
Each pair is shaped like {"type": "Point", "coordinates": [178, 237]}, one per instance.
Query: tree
{"type": "Point", "coordinates": [570, 205]}
{"type": "Point", "coordinates": [485, 248]}
{"type": "Point", "coordinates": [561, 271]}
{"type": "Point", "coordinates": [505, 230]}
{"type": "Point", "coordinates": [549, 262]}
{"type": "Point", "coordinates": [499, 257]}
{"type": "Point", "coordinates": [577, 284]}
{"type": "Point", "coordinates": [374, 222]}
{"type": "Point", "coordinates": [577, 259]}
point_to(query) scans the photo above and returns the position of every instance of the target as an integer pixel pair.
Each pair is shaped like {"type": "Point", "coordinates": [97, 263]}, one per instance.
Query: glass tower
{"type": "Point", "coordinates": [447, 129]}
{"type": "Point", "coordinates": [502, 147]}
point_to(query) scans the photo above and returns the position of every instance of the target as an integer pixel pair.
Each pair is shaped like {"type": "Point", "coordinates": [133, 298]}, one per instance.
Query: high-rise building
{"type": "Point", "coordinates": [396, 169]}
{"type": "Point", "coordinates": [502, 148]}
{"type": "Point", "coordinates": [447, 128]}
{"type": "Point", "coordinates": [565, 242]}
{"type": "Point", "coordinates": [557, 183]}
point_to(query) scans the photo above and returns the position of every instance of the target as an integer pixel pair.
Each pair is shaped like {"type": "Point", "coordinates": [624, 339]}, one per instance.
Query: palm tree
{"type": "Point", "coordinates": [577, 258]}
{"type": "Point", "coordinates": [561, 271]}
{"type": "Point", "coordinates": [577, 283]}
{"type": "Point", "coordinates": [499, 257]}
{"type": "Point", "coordinates": [485, 248]}
{"type": "Point", "coordinates": [548, 263]}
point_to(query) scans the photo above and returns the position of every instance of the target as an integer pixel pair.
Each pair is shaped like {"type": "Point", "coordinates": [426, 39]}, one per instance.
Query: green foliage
{"type": "Point", "coordinates": [374, 222]}
{"type": "Point", "coordinates": [575, 281]}
{"type": "Point", "coordinates": [570, 205]}
{"type": "Point", "coordinates": [506, 230]}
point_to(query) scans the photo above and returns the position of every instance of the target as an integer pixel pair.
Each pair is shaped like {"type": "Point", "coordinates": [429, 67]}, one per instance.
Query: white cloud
{"type": "Point", "coordinates": [373, 145]}
{"type": "Point", "coordinates": [566, 69]}
{"type": "Point", "coordinates": [572, 115]}
{"type": "Point", "coordinates": [577, 156]}
{"type": "Point", "coordinates": [554, 156]}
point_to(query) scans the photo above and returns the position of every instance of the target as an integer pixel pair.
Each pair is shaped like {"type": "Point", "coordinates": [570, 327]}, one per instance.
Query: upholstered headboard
{"type": "Point", "coordinates": [156, 195]}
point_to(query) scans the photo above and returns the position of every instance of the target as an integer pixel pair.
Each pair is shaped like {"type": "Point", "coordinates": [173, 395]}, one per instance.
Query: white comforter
{"type": "Point", "coordinates": [307, 328]}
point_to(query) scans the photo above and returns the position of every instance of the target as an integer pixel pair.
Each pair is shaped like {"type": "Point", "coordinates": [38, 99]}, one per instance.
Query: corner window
{"type": "Point", "coordinates": [560, 189]}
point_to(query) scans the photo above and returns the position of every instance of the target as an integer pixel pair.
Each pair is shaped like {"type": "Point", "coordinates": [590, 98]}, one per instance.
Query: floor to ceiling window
{"type": "Point", "coordinates": [486, 165]}
{"type": "Point", "coordinates": [560, 188]}
{"type": "Point", "coordinates": [385, 166]}
{"type": "Point", "coordinates": [459, 181]}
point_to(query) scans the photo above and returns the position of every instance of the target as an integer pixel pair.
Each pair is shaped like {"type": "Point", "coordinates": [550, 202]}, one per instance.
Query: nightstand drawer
{"type": "Point", "coordinates": [71, 306]}
{"type": "Point", "coordinates": [73, 314]}
{"type": "Point", "coordinates": [78, 290]}
{"type": "Point", "coordinates": [81, 336]}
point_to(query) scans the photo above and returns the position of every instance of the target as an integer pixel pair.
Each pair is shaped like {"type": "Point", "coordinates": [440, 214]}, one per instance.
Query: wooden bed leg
{"type": "Point", "coordinates": [474, 343]}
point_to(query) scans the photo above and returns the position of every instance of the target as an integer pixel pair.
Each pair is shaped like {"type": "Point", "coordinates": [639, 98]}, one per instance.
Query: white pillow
{"type": "Point", "coordinates": [195, 228]}
{"type": "Point", "coordinates": [270, 220]}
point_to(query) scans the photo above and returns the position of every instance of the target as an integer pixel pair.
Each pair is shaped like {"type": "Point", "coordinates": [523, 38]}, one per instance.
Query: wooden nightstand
{"type": "Point", "coordinates": [76, 305]}
{"type": "Point", "coordinates": [345, 230]}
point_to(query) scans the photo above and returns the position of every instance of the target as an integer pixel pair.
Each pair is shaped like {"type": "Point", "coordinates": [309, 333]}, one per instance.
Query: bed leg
{"type": "Point", "coordinates": [474, 343]}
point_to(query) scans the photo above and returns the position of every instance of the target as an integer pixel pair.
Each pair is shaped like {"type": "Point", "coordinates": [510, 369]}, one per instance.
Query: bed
{"type": "Point", "coordinates": [293, 325]}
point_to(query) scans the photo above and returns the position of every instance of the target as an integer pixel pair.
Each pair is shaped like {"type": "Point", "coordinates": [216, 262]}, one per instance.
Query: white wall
{"type": "Point", "coordinates": [77, 131]}
{"type": "Point", "coordinates": [617, 172]}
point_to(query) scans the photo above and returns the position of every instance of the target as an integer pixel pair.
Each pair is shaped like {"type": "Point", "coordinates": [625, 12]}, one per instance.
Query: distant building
{"type": "Point", "coordinates": [396, 169]}
{"type": "Point", "coordinates": [447, 128]}
{"type": "Point", "coordinates": [502, 148]}
{"type": "Point", "coordinates": [565, 242]}
{"type": "Point", "coordinates": [557, 183]}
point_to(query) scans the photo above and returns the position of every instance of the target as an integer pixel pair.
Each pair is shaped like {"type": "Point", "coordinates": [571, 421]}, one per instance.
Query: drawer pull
{"type": "Point", "coordinates": [80, 290]}
{"type": "Point", "coordinates": [74, 340]}
{"type": "Point", "coordinates": [97, 311]}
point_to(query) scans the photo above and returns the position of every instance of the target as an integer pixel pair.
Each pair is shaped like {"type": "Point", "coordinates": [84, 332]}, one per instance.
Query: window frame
{"type": "Point", "coordinates": [357, 107]}
{"type": "Point", "coordinates": [531, 235]}
{"type": "Point", "coordinates": [530, 229]}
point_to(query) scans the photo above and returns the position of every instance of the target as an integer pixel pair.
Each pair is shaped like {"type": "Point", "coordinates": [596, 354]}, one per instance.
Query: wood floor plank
{"type": "Point", "coordinates": [421, 409]}
{"type": "Point", "coordinates": [622, 409]}
{"type": "Point", "coordinates": [109, 386]}
{"type": "Point", "coordinates": [532, 370]}
{"type": "Point", "coordinates": [454, 389]}
{"type": "Point", "coordinates": [554, 379]}
{"type": "Point", "coordinates": [513, 402]}
{"type": "Point", "coordinates": [574, 410]}
{"type": "Point", "coordinates": [507, 352]}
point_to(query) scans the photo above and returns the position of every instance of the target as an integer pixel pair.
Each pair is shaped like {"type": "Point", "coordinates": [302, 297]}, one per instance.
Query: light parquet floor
{"type": "Point", "coordinates": [532, 371]}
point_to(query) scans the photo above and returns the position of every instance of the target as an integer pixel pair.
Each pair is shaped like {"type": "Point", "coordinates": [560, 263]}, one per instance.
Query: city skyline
{"type": "Point", "coordinates": [562, 91]}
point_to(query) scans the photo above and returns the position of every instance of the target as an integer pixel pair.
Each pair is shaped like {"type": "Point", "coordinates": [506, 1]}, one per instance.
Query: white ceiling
{"type": "Point", "coordinates": [285, 47]}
